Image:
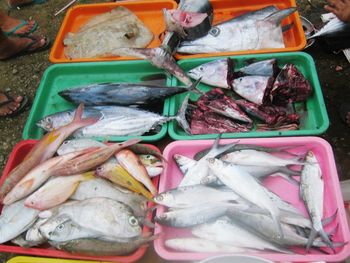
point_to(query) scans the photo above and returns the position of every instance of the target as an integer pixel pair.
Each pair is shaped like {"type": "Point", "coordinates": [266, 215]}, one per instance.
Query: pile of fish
{"type": "Point", "coordinates": [103, 33]}
{"type": "Point", "coordinates": [266, 93]}
{"type": "Point", "coordinates": [90, 199]}
{"type": "Point", "coordinates": [226, 208]}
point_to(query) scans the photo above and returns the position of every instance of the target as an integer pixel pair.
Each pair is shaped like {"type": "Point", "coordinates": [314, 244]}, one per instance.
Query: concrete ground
{"type": "Point", "coordinates": [22, 76]}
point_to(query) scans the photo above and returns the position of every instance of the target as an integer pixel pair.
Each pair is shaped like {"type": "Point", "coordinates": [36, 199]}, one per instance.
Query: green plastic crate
{"type": "Point", "coordinates": [316, 122]}
{"type": "Point", "coordinates": [63, 76]}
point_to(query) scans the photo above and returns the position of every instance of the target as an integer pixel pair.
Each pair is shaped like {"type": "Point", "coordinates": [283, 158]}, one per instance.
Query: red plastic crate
{"type": "Point", "coordinates": [17, 155]}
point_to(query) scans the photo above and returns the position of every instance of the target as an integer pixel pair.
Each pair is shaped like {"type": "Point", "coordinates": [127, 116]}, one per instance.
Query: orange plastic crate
{"type": "Point", "coordinates": [150, 12]}
{"type": "Point", "coordinates": [224, 10]}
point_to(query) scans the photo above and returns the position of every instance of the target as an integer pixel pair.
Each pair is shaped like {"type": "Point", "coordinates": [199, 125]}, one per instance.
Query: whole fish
{"type": "Point", "coordinates": [213, 73]}
{"type": "Point", "coordinates": [99, 187]}
{"type": "Point", "coordinates": [56, 191]}
{"type": "Point", "coordinates": [311, 191]}
{"type": "Point", "coordinates": [247, 187]}
{"type": "Point", "coordinates": [44, 150]}
{"type": "Point", "coordinates": [228, 232]}
{"type": "Point", "coordinates": [16, 219]}
{"type": "Point", "coordinates": [120, 176]}
{"type": "Point", "coordinates": [200, 170]}
{"type": "Point", "coordinates": [200, 245]}
{"type": "Point", "coordinates": [190, 196]}
{"type": "Point", "coordinates": [36, 177]}
{"type": "Point", "coordinates": [131, 122]}
{"type": "Point", "coordinates": [159, 57]}
{"type": "Point", "coordinates": [122, 94]}
{"type": "Point", "coordinates": [263, 225]}
{"type": "Point", "coordinates": [69, 146]}
{"type": "Point", "coordinates": [91, 160]}
{"type": "Point", "coordinates": [96, 247]}
{"type": "Point", "coordinates": [102, 215]}
{"type": "Point", "coordinates": [251, 31]}
{"type": "Point", "coordinates": [63, 229]}
{"type": "Point", "coordinates": [253, 157]}
{"type": "Point", "coordinates": [132, 163]}
{"type": "Point", "coordinates": [191, 216]}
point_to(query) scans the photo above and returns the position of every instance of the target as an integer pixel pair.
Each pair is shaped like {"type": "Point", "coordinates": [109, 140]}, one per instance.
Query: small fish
{"type": "Point", "coordinates": [44, 150]}
{"type": "Point", "coordinates": [228, 232]}
{"type": "Point", "coordinates": [190, 196]}
{"type": "Point", "coordinates": [36, 177]}
{"type": "Point", "coordinates": [96, 247]}
{"type": "Point", "coordinates": [91, 160]}
{"type": "Point", "coordinates": [244, 184]}
{"type": "Point", "coordinates": [200, 245]}
{"type": "Point", "coordinates": [108, 217]}
{"type": "Point", "coordinates": [16, 219]}
{"type": "Point", "coordinates": [311, 191]}
{"type": "Point", "coordinates": [200, 170]}
{"type": "Point", "coordinates": [132, 163]}
{"type": "Point", "coordinates": [100, 187]}
{"type": "Point", "coordinates": [119, 176]}
{"type": "Point", "coordinates": [260, 158]}
{"type": "Point", "coordinates": [56, 191]}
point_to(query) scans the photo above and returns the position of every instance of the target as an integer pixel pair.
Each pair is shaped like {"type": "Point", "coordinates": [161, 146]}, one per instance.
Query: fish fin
{"type": "Point", "coordinates": [311, 239]}
{"type": "Point", "coordinates": [78, 117]}
{"type": "Point", "coordinates": [329, 219]}
{"type": "Point", "coordinates": [231, 75]}
{"type": "Point", "coordinates": [181, 115]}
{"type": "Point", "coordinates": [289, 178]}
{"type": "Point", "coordinates": [221, 148]}
{"type": "Point", "coordinates": [326, 239]}
{"type": "Point", "coordinates": [193, 88]}
{"type": "Point", "coordinates": [279, 15]}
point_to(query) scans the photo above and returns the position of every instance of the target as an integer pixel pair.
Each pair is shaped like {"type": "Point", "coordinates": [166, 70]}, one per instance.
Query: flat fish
{"type": "Point", "coordinates": [256, 30]}
{"type": "Point", "coordinates": [114, 29]}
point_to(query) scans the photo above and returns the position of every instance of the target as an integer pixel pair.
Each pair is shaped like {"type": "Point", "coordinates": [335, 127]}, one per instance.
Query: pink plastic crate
{"type": "Point", "coordinates": [17, 155]}
{"type": "Point", "coordinates": [333, 201]}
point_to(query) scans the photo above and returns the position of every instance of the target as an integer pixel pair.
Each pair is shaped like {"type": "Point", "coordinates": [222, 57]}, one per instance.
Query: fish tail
{"type": "Point", "coordinates": [78, 117]}
{"type": "Point", "coordinates": [326, 239]}
{"type": "Point", "coordinates": [279, 15]}
{"type": "Point", "coordinates": [125, 144]}
{"type": "Point", "coordinates": [329, 219]}
{"type": "Point", "coordinates": [194, 87]}
{"type": "Point", "coordinates": [181, 115]}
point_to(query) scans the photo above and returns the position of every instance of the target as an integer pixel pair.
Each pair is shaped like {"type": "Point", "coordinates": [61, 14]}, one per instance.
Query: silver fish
{"type": "Point", "coordinates": [200, 170]}
{"type": "Point", "coordinates": [62, 229]}
{"type": "Point", "coordinates": [103, 215]}
{"type": "Point", "coordinates": [311, 191]}
{"type": "Point", "coordinates": [189, 196]}
{"type": "Point", "coordinates": [96, 247]}
{"type": "Point", "coordinates": [228, 232]}
{"type": "Point", "coordinates": [192, 216]}
{"type": "Point", "coordinates": [200, 245]}
{"type": "Point", "coordinates": [251, 32]}
{"type": "Point", "coordinates": [246, 186]}
{"type": "Point", "coordinates": [15, 219]}
{"type": "Point", "coordinates": [99, 187]}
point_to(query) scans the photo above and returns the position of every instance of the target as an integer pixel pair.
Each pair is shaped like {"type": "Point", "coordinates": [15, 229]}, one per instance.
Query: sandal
{"type": "Point", "coordinates": [31, 48]}
{"type": "Point", "coordinates": [17, 111]}
{"type": "Point", "coordinates": [344, 110]}
{"type": "Point", "coordinates": [23, 23]}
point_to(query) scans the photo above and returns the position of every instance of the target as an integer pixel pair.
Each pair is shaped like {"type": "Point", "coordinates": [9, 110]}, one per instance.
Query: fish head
{"type": "Point", "coordinates": [150, 160]}
{"type": "Point", "coordinates": [132, 226]}
{"type": "Point", "coordinates": [107, 167]}
{"type": "Point", "coordinates": [56, 228]}
{"type": "Point", "coordinates": [215, 164]}
{"type": "Point", "coordinates": [46, 123]}
{"type": "Point", "coordinates": [164, 199]}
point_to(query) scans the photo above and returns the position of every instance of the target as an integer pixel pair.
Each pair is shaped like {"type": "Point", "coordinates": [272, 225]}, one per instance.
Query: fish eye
{"type": "Point", "coordinates": [201, 68]}
{"type": "Point", "coordinates": [133, 221]}
{"type": "Point", "coordinates": [159, 198]}
{"type": "Point", "coordinates": [50, 233]}
{"type": "Point", "coordinates": [214, 31]}
{"type": "Point", "coordinates": [60, 227]}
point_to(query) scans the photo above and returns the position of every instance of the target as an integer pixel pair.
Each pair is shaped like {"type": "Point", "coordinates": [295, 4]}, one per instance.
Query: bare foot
{"type": "Point", "coordinates": [8, 24]}
{"type": "Point", "coordinates": [10, 107]}
{"type": "Point", "coordinates": [10, 47]}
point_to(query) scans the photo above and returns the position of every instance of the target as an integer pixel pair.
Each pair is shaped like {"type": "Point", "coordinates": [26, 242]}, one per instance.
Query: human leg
{"type": "Point", "coordinates": [12, 26]}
